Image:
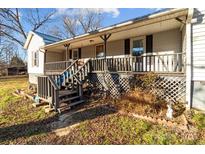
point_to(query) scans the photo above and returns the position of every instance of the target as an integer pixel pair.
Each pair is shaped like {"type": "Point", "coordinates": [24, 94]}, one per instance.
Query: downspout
{"type": "Point", "coordinates": [188, 56]}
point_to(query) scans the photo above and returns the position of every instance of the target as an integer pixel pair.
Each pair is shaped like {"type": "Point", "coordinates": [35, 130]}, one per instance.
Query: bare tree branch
{"type": "Point", "coordinates": [13, 20]}
{"type": "Point", "coordinates": [42, 21]}
{"type": "Point", "coordinates": [82, 22]}
{"type": "Point", "coordinates": [13, 38]}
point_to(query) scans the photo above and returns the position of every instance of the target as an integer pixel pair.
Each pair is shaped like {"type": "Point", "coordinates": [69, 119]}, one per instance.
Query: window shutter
{"type": "Point", "coordinates": [127, 46]}
{"type": "Point", "coordinates": [33, 58]}
{"type": "Point", "coordinates": [37, 58]}
{"type": "Point", "coordinates": [149, 43]}
{"type": "Point", "coordinates": [70, 54]}
{"type": "Point", "coordinates": [79, 53]}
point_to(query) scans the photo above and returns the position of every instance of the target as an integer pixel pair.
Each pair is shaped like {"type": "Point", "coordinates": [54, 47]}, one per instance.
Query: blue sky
{"type": "Point", "coordinates": [114, 15]}
{"type": "Point", "coordinates": [125, 14]}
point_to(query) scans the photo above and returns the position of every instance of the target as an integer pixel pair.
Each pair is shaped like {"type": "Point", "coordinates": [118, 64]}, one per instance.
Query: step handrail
{"type": "Point", "coordinates": [73, 63]}
{"type": "Point", "coordinates": [69, 66]}
{"type": "Point", "coordinates": [82, 66]}
{"type": "Point", "coordinates": [53, 83]}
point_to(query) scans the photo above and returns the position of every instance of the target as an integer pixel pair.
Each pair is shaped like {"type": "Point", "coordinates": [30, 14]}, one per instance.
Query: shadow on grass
{"type": "Point", "coordinates": [77, 116]}
{"type": "Point", "coordinates": [42, 126]}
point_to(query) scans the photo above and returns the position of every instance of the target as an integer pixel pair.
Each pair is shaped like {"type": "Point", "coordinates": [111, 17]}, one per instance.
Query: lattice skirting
{"type": "Point", "coordinates": [170, 88]}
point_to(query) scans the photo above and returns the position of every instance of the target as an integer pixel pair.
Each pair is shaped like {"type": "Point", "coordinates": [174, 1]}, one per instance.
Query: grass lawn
{"type": "Point", "coordinates": [20, 123]}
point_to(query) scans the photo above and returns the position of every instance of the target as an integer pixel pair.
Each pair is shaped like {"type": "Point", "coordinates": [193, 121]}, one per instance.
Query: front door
{"type": "Point", "coordinates": [75, 54]}
{"type": "Point", "coordinates": [138, 49]}
{"type": "Point", "coordinates": [99, 49]}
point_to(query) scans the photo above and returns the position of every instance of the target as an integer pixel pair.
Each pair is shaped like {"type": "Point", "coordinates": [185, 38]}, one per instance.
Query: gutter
{"type": "Point", "coordinates": [28, 40]}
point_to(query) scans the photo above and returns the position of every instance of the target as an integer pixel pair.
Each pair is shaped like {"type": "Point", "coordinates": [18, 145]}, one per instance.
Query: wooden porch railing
{"type": "Point", "coordinates": [159, 63]}
{"type": "Point", "coordinates": [57, 66]}
{"type": "Point", "coordinates": [48, 90]}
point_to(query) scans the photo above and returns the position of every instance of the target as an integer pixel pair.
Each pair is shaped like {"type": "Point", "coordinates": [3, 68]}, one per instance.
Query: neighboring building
{"type": "Point", "coordinates": [169, 42]}
{"type": "Point", "coordinates": [13, 70]}
{"type": "Point", "coordinates": [17, 70]}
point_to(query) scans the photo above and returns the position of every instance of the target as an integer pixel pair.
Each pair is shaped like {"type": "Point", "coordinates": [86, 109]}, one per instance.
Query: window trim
{"type": "Point", "coordinates": [138, 38]}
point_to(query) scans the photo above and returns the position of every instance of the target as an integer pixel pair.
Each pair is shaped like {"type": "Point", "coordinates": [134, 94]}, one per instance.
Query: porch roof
{"type": "Point", "coordinates": [161, 20]}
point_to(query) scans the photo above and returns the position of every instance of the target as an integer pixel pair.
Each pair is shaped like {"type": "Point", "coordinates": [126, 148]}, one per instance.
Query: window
{"type": "Point", "coordinates": [99, 51]}
{"type": "Point", "coordinates": [138, 48]}
{"type": "Point", "coordinates": [35, 58]}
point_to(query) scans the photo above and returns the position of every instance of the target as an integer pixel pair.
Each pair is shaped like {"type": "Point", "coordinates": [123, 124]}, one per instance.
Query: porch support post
{"type": "Point", "coordinates": [66, 54]}
{"type": "Point", "coordinates": [105, 38]}
{"type": "Point", "coordinates": [44, 68]}
{"type": "Point", "coordinates": [188, 66]}
{"type": "Point", "coordinates": [188, 63]}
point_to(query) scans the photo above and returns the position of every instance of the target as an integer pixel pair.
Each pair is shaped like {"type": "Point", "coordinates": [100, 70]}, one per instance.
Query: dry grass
{"type": "Point", "coordinates": [18, 118]}
{"type": "Point", "coordinates": [7, 87]}
{"type": "Point", "coordinates": [142, 102]}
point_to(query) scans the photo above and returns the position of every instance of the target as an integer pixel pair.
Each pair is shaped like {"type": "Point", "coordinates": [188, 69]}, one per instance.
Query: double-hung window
{"type": "Point", "coordinates": [138, 47]}
{"type": "Point", "coordinates": [36, 58]}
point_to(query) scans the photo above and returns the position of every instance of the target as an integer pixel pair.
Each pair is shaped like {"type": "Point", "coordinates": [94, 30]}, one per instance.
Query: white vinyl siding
{"type": "Point", "coordinates": [36, 67]}
{"type": "Point", "coordinates": [198, 44]}
{"type": "Point", "coordinates": [168, 41]}
{"type": "Point", "coordinates": [198, 59]}
{"type": "Point", "coordinates": [54, 56]}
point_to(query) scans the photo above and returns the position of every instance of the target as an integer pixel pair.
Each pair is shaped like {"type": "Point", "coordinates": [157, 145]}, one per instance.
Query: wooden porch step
{"type": "Point", "coordinates": [63, 93]}
{"type": "Point", "coordinates": [63, 108]}
{"type": "Point", "coordinates": [69, 99]}
{"type": "Point", "coordinates": [76, 103]}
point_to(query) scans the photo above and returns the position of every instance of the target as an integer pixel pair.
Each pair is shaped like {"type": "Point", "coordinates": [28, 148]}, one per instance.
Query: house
{"type": "Point", "coordinates": [169, 42]}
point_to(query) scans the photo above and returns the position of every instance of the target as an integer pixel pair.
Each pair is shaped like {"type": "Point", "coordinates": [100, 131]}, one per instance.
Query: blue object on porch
{"type": "Point", "coordinates": [60, 80]}
{"type": "Point", "coordinates": [66, 74]}
{"type": "Point", "coordinates": [36, 99]}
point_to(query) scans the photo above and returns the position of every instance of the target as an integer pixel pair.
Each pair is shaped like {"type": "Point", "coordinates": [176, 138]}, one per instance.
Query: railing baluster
{"type": "Point", "coordinates": [154, 63]}
{"type": "Point", "coordinates": [55, 66]}
{"type": "Point", "coordinates": [150, 63]}
{"type": "Point", "coordinates": [157, 63]}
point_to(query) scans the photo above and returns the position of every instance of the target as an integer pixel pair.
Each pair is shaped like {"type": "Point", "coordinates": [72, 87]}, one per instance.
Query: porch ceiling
{"type": "Point", "coordinates": [129, 32]}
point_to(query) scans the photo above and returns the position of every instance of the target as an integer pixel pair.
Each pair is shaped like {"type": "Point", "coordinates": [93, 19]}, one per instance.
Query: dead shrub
{"type": "Point", "coordinates": [142, 102]}
{"type": "Point", "coordinates": [178, 109]}
{"type": "Point", "coordinates": [147, 80]}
